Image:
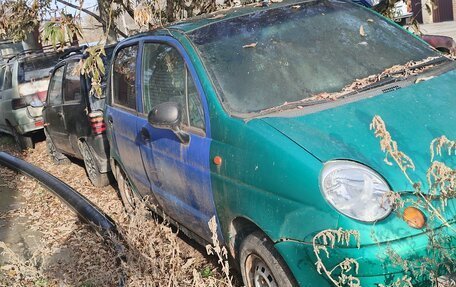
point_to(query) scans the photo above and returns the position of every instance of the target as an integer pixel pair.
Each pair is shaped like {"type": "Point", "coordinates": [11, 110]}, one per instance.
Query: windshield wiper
{"type": "Point", "coordinates": [289, 106]}
{"type": "Point", "coordinates": [382, 82]}
{"type": "Point", "coordinates": [434, 61]}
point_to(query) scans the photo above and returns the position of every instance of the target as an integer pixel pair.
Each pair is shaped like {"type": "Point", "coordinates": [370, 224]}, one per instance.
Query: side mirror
{"type": "Point", "coordinates": [168, 116]}
{"type": "Point", "coordinates": [165, 116]}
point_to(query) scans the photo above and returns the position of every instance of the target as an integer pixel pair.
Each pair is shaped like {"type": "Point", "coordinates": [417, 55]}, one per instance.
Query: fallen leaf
{"type": "Point", "coordinates": [296, 6]}
{"type": "Point", "coordinates": [422, 79]}
{"type": "Point", "coordinates": [370, 20]}
{"type": "Point", "coordinates": [363, 43]}
{"type": "Point", "coordinates": [252, 45]}
{"type": "Point", "coordinates": [219, 16]}
{"type": "Point", "coordinates": [361, 31]}
{"type": "Point", "coordinates": [276, 1]}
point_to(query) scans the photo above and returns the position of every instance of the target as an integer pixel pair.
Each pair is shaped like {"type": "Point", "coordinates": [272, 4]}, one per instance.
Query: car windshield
{"type": "Point", "coordinates": [36, 68]}
{"type": "Point", "coordinates": [290, 53]}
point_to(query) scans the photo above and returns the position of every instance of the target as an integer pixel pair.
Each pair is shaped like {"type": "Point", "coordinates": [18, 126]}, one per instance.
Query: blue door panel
{"type": "Point", "coordinates": [124, 135]}
{"type": "Point", "coordinates": [180, 177]}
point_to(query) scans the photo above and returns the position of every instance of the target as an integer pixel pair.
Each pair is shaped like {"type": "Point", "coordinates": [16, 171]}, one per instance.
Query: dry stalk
{"type": "Point", "coordinates": [220, 252]}
{"type": "Point", "coordinates": [329, 238]}
{"type": "Point", "coordinates": [404, 162]}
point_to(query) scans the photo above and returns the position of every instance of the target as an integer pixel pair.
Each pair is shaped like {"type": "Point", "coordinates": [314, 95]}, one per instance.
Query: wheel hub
{"type": "Point", "coordinates": [260, 275]}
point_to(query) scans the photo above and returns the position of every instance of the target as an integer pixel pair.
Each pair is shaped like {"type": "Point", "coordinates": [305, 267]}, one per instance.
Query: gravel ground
{"type": "Point", "coordinates": [44, 244]}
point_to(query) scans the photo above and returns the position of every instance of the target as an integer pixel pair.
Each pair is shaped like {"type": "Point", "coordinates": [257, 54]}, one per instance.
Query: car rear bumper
{"type": "Point", "coordinates": [378, 263]}
{"type": "Point", "coordinates": [25, 122]}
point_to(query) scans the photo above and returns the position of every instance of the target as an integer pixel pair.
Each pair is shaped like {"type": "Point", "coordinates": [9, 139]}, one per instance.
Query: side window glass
{"type": "Point", "coordinates": [166, 79]}
{"type": "Point", "coordinates": [124, 76]}
{"type": "Point", "coordinates": [72, 83]}
{"type": "Point", "coordinates": [195, 107]}
{"type": "Point", "coordinates": [55, 87]}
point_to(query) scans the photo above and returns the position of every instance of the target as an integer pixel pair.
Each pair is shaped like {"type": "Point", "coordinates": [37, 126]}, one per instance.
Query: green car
{"type": "Point", "coordinates": [260, 116]}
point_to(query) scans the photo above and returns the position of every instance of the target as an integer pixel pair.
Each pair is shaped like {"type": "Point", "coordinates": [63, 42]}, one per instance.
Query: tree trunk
{"type": "Point", "coordinates": [31, 41]}
{"type": "Point", "coordinates": [170, 10]}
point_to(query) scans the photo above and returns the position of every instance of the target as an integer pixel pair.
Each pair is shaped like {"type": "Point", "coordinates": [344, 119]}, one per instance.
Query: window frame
{"type": "Point", "coordinates": [2, 78]}
{"type": "Point", "coordinates": [111, 76]}
{"type": "Point", "coordinates": [189, 73]}
{"type": "Point", "coordinates": [48, 99]}
{"type": "Point", "coordinates": [8, 68]}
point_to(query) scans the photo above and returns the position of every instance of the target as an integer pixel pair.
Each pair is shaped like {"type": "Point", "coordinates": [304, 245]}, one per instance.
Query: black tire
{"type": "Point", "coordinates": [23, 142]}
{"type": "Point", "coordinates": [56, 156]}
{"type": "Point", "coordinates": [258, 258]}
{"type": "Point", "coordinates": [97, 178]}
{"type": "Point", "coordinates": [126, 192]}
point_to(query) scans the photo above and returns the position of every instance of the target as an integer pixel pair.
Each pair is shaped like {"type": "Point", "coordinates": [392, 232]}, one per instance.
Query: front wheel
{"type": "Point", "coordinates": [97, 178]}
{"type": "Point", "coordinates": [261, 264]}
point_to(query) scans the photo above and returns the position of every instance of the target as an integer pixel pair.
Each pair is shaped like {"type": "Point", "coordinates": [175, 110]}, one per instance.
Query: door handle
{"type": "Point", "coordinates": [60, 114]}
{"type": "Point", "coordinates": [110, 121]}
{"type": "Point", "coordinates": [145, 135]}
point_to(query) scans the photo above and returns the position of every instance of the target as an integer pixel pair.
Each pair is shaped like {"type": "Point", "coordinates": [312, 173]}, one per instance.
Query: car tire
{"type": "Point", "coordinates": [261, 264]}
{"type": "Point", "coordinates": [97, 178]}
{"type": "Point", "coordinates": [56, 156]}
{"type": "Point", "coordinates": [23, 142]}
{"type": "Point", "coordinates": [126, 192]}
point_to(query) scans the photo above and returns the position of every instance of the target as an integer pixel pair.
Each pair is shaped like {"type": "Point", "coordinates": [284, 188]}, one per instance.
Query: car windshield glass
{"type": "Point", "coordinates": [286, 54]}
{"type": "Point", "coordinates": [36, 68]}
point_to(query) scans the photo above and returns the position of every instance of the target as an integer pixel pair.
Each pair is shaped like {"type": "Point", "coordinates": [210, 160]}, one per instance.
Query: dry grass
{"type": "Point", "coordinates": [71, 254]}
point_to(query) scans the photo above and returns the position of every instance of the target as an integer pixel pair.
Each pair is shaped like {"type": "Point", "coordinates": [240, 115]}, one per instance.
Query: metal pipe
{"type": "Point", "coordinates": [85, 209]}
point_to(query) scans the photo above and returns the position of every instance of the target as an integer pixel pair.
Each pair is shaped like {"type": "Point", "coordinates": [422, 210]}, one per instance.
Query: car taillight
{"type": "Point", "coordinates": [96, 122]}
{"type": "Point", "coordinates": [19, 103]}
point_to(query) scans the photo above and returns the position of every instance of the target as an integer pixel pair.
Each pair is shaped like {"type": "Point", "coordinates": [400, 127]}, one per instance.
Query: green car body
{"type": "Point", "coordinates": [269, 175]}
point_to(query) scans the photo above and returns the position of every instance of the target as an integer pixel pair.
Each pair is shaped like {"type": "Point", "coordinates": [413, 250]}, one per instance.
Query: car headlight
{"type": "Point", "coordinates": [355, 190]}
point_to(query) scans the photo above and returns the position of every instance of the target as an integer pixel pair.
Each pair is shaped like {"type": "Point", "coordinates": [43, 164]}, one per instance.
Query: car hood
{"type": "Point", "coordinates": [414, 116]}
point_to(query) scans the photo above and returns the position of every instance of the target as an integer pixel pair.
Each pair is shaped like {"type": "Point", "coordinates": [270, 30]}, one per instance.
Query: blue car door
{"type": "Point", "coordinates": [178, 171]}
{"type": "Point", "coordinates": [122, 116]}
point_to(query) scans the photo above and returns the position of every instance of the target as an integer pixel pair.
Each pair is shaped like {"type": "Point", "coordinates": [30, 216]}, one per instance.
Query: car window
{"type": "Point", "coordinates": [36, 68]}
{"type": "Point", "coordinates": [55, 87]}
{"type": "Point", "coordinates": [166, 79]}
{"type": "Point", "coordinates": [276, 56]}
{"type": "Point", "coordinates": [195, 107]}
{"type": "Point", "coordinates": [72, 83]}
{"type": "Point", "coordinates": [124, 76]}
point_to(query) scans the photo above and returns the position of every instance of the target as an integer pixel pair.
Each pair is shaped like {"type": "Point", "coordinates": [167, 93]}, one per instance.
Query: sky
{"type": "Point", "coordinates": [87, 4]}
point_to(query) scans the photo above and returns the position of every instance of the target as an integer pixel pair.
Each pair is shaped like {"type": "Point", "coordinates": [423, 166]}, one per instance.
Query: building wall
{"type": "Point", "coordinates": [454, 10]}
{"type": "Point", "coordinates": [427, 17]}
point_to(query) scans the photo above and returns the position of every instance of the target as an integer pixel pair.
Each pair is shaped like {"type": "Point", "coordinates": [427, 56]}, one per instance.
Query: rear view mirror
{"type": "Point", "coordinates": [168, 116]}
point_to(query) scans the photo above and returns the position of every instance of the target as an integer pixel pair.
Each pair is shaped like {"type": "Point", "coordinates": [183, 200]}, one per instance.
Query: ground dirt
{"type": "Point", "coordinates": [42, 242]}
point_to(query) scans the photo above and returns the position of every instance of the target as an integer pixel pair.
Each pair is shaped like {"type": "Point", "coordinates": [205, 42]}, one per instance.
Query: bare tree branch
{"type": "Point", "coordinates": [95, 16]}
